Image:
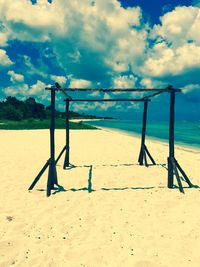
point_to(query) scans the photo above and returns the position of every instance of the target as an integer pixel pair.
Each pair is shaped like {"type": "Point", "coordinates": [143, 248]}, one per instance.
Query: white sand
{"type": "Point", "coordinates": [131, 219]}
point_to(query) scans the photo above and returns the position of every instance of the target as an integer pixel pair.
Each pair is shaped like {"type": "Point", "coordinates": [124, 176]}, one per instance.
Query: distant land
{"type": "Point", "coordinates": [29, 114]}
{"type": "Point", "coordinates": [16, 110]}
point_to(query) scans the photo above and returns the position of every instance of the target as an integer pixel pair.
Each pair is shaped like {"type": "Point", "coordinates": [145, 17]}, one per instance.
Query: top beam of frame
{"type": "Point", "coordinates": [110, 100]}
{"type": "Point", "coordinates": [120, 90]}
{"type": "Point", "coordinates": [152, 95]}
{"type": "Point", "coordinates": [154, 91]}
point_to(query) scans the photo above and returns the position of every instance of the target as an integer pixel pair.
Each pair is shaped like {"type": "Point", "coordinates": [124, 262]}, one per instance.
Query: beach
{"type": "Point", "coordinates": [128, 218]}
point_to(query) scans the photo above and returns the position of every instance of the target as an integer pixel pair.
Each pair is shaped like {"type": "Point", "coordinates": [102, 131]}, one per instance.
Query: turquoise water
{"type": "Point", "coordinates": [186, 133]}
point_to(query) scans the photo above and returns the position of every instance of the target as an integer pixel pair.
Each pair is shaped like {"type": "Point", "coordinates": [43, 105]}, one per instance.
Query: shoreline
{"type": "Point", "coordinates": [152, 139]}
{"type": "Point", "coordinates": [178, 145]}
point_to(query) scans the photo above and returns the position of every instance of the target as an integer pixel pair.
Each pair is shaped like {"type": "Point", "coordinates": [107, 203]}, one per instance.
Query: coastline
{"type": "Point", "coordinates": [178, 145]}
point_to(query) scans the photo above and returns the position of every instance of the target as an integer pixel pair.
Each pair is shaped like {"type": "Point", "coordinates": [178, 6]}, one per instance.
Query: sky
{"type": "Point", "coordinates": [102, 43]}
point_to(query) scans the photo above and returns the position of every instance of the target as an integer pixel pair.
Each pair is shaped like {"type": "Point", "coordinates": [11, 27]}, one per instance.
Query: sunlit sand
{"type": "Point", "coordinates": [111, 211]}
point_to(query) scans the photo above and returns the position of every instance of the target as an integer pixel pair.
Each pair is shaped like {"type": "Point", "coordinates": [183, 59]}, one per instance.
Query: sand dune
{"type": "Point", "coordinates": [129, 219]}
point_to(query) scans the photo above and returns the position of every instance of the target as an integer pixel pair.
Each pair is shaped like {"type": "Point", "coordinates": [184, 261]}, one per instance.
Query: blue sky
{"type": "Point", "coordinates": [155, 8]}
{"type": "Point", "coordinates": [101, 43]}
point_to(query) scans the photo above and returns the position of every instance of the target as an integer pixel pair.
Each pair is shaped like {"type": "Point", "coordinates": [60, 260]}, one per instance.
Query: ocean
{"type": "Point", "coordinates": [187, 133]}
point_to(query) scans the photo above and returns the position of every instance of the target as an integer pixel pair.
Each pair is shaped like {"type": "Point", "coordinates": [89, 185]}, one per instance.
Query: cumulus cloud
{"type": "Point", "coordinates": [192, 92]}
{"type": "Point", "coordinates": [86, 38]}
{"type": "Point", "coordinates": [79, 83]}
{"type": "Point", "coordinates": [174, 56]}
{"type": "Point", "coordinates": [23, 90]}
{"type": "Point", "coordinates": [96, 43]}
{"type": "Point", "coordinates": [147, 83]}
{"type": "Point", "coordinates": [4, 59]}
{"type": "Point", "coordinates": [179, 26]}
{"type": "Point", "coordinates": [17, 90]}
{"type": "Point", "coordinates": [3, 39]}
{"type": "Point", "coordinates": [26, 21]}
{"type": "Point", "coordinates": [15, 77]}
{"type": "Point", "coordinates": [59, 79]}
{"type": "Point", "coordinates": [124, 81]}
{"type": "Point", "coordinates": [36, 88]}
{"type": "Point", "coordinates": [166, 61]}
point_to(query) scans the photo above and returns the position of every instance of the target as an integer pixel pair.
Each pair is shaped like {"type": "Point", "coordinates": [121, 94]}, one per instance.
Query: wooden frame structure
{"type": "Point", "coordinates": [174, 168]}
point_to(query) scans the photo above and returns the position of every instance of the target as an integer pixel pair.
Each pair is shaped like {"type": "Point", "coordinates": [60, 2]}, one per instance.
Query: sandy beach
{"type": "Point", "coordinates": [129, 219]}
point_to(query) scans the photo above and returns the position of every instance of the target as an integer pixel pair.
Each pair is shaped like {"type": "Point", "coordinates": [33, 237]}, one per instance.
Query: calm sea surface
{"type": "Point", "coordinates": [186, 133]}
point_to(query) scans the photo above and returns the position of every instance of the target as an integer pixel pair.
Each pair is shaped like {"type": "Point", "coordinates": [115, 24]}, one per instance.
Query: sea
{"type": "Point", "coordinates": [187, 133]}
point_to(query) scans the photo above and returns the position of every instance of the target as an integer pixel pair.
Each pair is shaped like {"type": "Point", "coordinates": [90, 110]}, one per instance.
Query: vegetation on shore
{"type": "Point", "coordinates": [28, 114]}
{"type": "Point", "coordinates": [16, 110]}
{"type": "Point", "coordinates": [41, 124]}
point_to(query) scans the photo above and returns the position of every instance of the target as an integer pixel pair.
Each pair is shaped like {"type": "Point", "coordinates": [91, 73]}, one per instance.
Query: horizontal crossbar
{"type": "Point", "coordinates": [152, 95]}
{"type": "Point", "coordinates": [108, 100]}
{"type": "Point", "coordinates": [121, 90]}
{"type": "Point", "coordinates": [153, 91]}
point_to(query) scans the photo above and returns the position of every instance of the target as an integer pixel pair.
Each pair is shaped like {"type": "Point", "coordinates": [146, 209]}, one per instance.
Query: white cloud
{"type": "Point", "coordinates": [175, 53]}
{"type": "Point", "coordinates": [81, 32]}
{"type": "Point", "coordinates": [15, 90]}
{"type": "Point", "coordinates": [165, 61]}
{"type": "Point", "coordinates": [15, 77]}
{"type": "Point", "coordinates": [23, 90]}
{"type": "Point", "coordinates": [3, 39]}
{"type": "Point", "coordinates": [4, 59]}
{"type": "Point", "coordinates": [190, 87]}
{"type": "Point", "coordinates": [99, 41]}
{"type": "Point", "coordinates": [38, 87]}
{"type": "Point", "coordinates": [25, 21]}
{"type": "Point", "coordinates": [79, 83]}
{"type": "Point", "coordinates": [179, 26]}
{"type": "Point", "coordinates": [124, 81]}
{"type": "Point", "coordinates": [147, 83]}
{"type": "Point", "coordinates": [192, 92]}
{"type": "Point", "coordinates": [59, 79]}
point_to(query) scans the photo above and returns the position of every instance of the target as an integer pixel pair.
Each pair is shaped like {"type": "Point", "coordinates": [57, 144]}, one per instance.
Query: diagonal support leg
{"type": "Point", "coordinates": [149, 155]}
{"type": "Point", "coordinates": [177, 175]}
{"type": "Point", "coordinates": [39, 175]}
{"type": "Point", "coordinates": [61, 153]}
{"type": "Point", "coordinates": [145, 159]}
{"type": "Point", "coordinates": [173, 169]}
{"type": "Point", "coordinates": [144, 152]}
{"type": "Point", "coordinates": [187, 180]}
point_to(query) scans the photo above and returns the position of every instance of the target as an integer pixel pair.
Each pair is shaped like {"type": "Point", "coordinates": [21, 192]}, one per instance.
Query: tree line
{"type": "Point", "coordinates": [14, 109]}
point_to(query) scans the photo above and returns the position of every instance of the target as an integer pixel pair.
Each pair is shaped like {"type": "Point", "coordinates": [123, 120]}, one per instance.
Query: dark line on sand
{"type": "Point", "coordinates": [90, 180]}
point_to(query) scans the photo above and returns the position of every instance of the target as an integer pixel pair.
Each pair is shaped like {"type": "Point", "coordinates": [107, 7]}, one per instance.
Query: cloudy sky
{"type": "Point", "coordinates": [101, 43]}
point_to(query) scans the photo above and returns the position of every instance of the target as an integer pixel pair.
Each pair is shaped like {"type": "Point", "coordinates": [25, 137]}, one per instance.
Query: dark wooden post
{"type": "Point", "coordinates": [52, 176]}
{"type": "Point", "coordinates": [66, 161]}
{"type": "Point", "coordinates": [171, 138]}
{"type": "Point", "coordinates": [144, 123]}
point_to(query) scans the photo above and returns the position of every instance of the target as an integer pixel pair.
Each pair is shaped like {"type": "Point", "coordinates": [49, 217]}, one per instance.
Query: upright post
{"type": "Point", "coordinates": [171, 138]}
{"type": "Point", "coordinates": [66, 161]}
{"type": "Point", "coordinates": [144, 123]}
{"type": "Point", "coordinates": [52, 176]}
